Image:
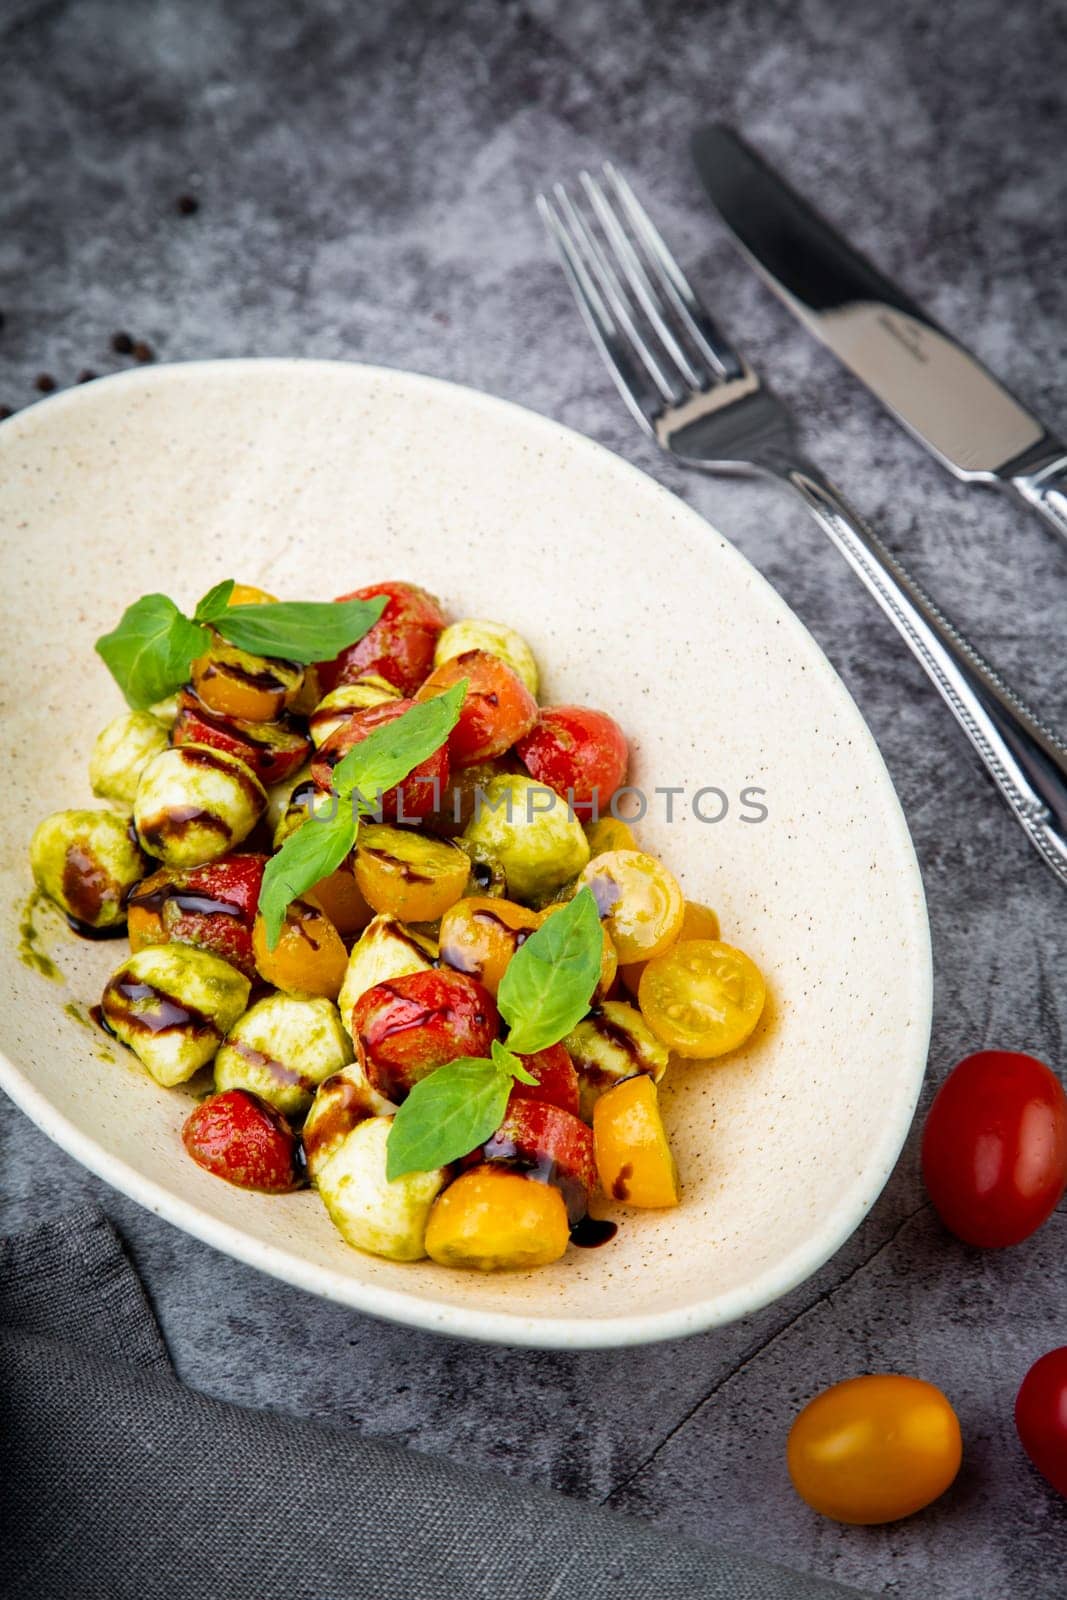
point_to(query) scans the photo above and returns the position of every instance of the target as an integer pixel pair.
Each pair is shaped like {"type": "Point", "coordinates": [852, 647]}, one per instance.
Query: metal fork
{"type": "Point", "coordinates": [692, 390]}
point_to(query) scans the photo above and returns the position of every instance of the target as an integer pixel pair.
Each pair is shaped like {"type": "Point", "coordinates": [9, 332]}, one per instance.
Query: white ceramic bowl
{"type": "Point", "coordinates": [313, 478]}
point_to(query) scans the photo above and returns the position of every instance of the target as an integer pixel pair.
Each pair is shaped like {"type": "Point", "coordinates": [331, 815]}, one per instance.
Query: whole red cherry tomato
{"type": "Point", "coordinates": [574, 748]}
{"type": "Point", "coordinates": [421, 791]}
{"type": "Point", "coordinates": [239, 1137]}
{"type": "Point", "coordinates": [497, 708]}
{"type": "Point", "coordinates": [1041, 1417]}
{"type": "Point", "coordinates": [400, 646]}
{"type": "Point", "coordinates": [409, 1026]}
{"type": "Point", "coordinates": [994, 1149]}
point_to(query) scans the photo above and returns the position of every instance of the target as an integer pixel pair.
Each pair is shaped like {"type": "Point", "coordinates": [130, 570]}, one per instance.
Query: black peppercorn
{"type": "Point", "coordinates": [86, 375]}
{"type": "Point", "coordinates": [5, 412]}
{"type": "Point", "coordinates": [45, 382]}
{"type": "Point", "coordinates": [188, 205]}
{"type": "Point", "coordinates": [142, 351]}
{"type": "Point", "coordinates": [121, 343]}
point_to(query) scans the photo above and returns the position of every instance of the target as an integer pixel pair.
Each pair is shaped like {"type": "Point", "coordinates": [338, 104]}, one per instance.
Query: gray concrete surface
{"type": "Point", "coordinates": [364, 177]}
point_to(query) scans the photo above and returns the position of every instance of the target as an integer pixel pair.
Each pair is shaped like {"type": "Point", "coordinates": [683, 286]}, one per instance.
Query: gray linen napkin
{"type": "Point", "coordinates": [121, 1484]}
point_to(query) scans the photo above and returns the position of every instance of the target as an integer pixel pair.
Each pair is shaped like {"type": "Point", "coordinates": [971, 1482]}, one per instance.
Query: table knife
{"type": "Point", "coordinates": [926, 378]}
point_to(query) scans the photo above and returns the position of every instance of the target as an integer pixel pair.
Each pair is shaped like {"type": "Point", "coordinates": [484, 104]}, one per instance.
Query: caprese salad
{"type": "Point", "coordinates": [378, 892]}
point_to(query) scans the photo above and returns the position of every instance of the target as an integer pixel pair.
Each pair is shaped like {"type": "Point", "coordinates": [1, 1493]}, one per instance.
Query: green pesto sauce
{"type": "Point", "coordinates": [30, 952]}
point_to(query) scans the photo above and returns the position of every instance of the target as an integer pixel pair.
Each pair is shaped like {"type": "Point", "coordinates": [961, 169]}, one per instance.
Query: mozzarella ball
{"type": "Point", "coordinates": [529, 829]}
{"type": "Point", "coordinates": [386, 949]}
{"type": "Point", "coordinates": [340, 1104]}
{"type": "Point", "coordinates": [87, 862]}
{"type": "Point", "coordinates": [334, 709]}
{"type": "Point", "coordinates": [166, 711]}
{"type": "Point", "coordinates": [383, 1218]}
{"type": "Point", "coordinates": [173, 1005]}
{"type": "Point", "coordinates": [304, 799]}
{"type": "Point", "coordinates": [279, 797]}
{"type": "Point", "coordinates": [194, 804]}
{"type": "Point", "coordinates": [121, 752]}
{"type": "Point", "coordinates": [494, 638]}
{"type": "Point", "coordinates": [612, 1043]}
{"type": "Point", "coordinates": [281, 1049]}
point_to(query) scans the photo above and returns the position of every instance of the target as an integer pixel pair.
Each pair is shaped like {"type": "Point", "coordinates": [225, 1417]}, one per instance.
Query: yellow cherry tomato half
{"type": "Point", "coordinates": [874, 1449]}
{"type": "Point", "coordinates": [698, 922]}
{"type": "Point", "coordinates": [640, 902]}
{"type": "Point", "coordinates": [609, 833]}
{"type": "Point", "coordinates": [491, 1219]}
{"type": "Point", "coordinates": [339, 895]}
{"type": "Point", "coordinates": [249, 594]}
{"type": "Point", "coordinates": [702, 998]}
{"type": "Point", "coordinates": [407, 874]}
{"type": "Point", "coordinates": [309, 958]}
{"type": "Point", "coordinates": [633, 1159]}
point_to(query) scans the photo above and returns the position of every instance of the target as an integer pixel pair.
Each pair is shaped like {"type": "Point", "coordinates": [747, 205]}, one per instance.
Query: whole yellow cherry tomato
{"type": "Point", "coordinates": [702, 998]}
{"type": "Point", "coordinates": [874, 1449]}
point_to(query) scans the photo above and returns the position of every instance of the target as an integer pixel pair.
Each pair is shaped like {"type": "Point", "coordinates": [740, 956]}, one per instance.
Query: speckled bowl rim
{"type": "Point", "coordinates": [469, 1322]}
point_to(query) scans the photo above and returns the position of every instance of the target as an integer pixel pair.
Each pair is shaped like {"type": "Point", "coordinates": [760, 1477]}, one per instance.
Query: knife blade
{"type": "Point", "coordinates": [928, 380]}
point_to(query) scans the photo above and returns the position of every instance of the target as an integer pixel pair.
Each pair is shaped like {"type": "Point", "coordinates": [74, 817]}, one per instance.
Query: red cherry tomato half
{"type": "Point", "coordinates": [557, 1080]}
{"type": "Point", "coordinates": [406, 1028]}
{"type": "Point", "coordinates": [550, 1144]}
{"type": "Point", "coordinates": [994, 1149]}
{"type": "Point", "coordinates": [239, 1137]}
{"type": "Point", "coordinates": [213, 906]}
{"type": "Point", "coordinates": [576, 748]}
{"type": "Point", "coordinates": [421, 791]}
{"type": "Point", "coordinates": [497, 709]}
{"type": "Point", "coordinates": [400, 646]}
{"type": "Point", "coordinates": [273, 750]}
{"type": "Point", "coordinates": [1041, 1417]}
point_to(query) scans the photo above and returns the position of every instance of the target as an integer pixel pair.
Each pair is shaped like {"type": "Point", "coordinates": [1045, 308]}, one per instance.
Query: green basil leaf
{"type": "Point", "coordinates": [300, 630]}
{"type": "Point", "coordinates": [151, 650]}
{"type": "Point", "coordinates": [447, 1115]}
{"type": "Point", "coordinates": [549, 981]}
{"type": "Point", "coordinates": [508, 1062]}
{"type": "Point", "coordinates": [316, 849]}
{"type": "Point", "coordinates": [389, 753]}
{"type": "Point", "coordinates": [214, 602]}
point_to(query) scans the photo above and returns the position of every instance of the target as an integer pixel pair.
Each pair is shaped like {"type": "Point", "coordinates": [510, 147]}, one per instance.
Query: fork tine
{"type": "Point", "coordinates": [707, 336]}
{"type": "Point", "coordinates": [638, 280]}
{"type": "Point", "coordinates": [630, 379]}
{"type": "Point", "coordinates": [615, 295]}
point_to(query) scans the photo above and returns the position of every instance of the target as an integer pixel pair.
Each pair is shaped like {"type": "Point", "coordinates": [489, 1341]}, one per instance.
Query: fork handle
{"type": "Point", "coordinates": [1024, 758]}
{"type": "Point", "coordinates": [1045, 489]}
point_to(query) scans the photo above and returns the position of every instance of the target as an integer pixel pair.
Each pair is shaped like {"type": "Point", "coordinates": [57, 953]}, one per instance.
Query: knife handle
{"type": "Point", "coordinates": [1023, 757]}
{"type": "Point", "coordinates": [1045, 490]}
